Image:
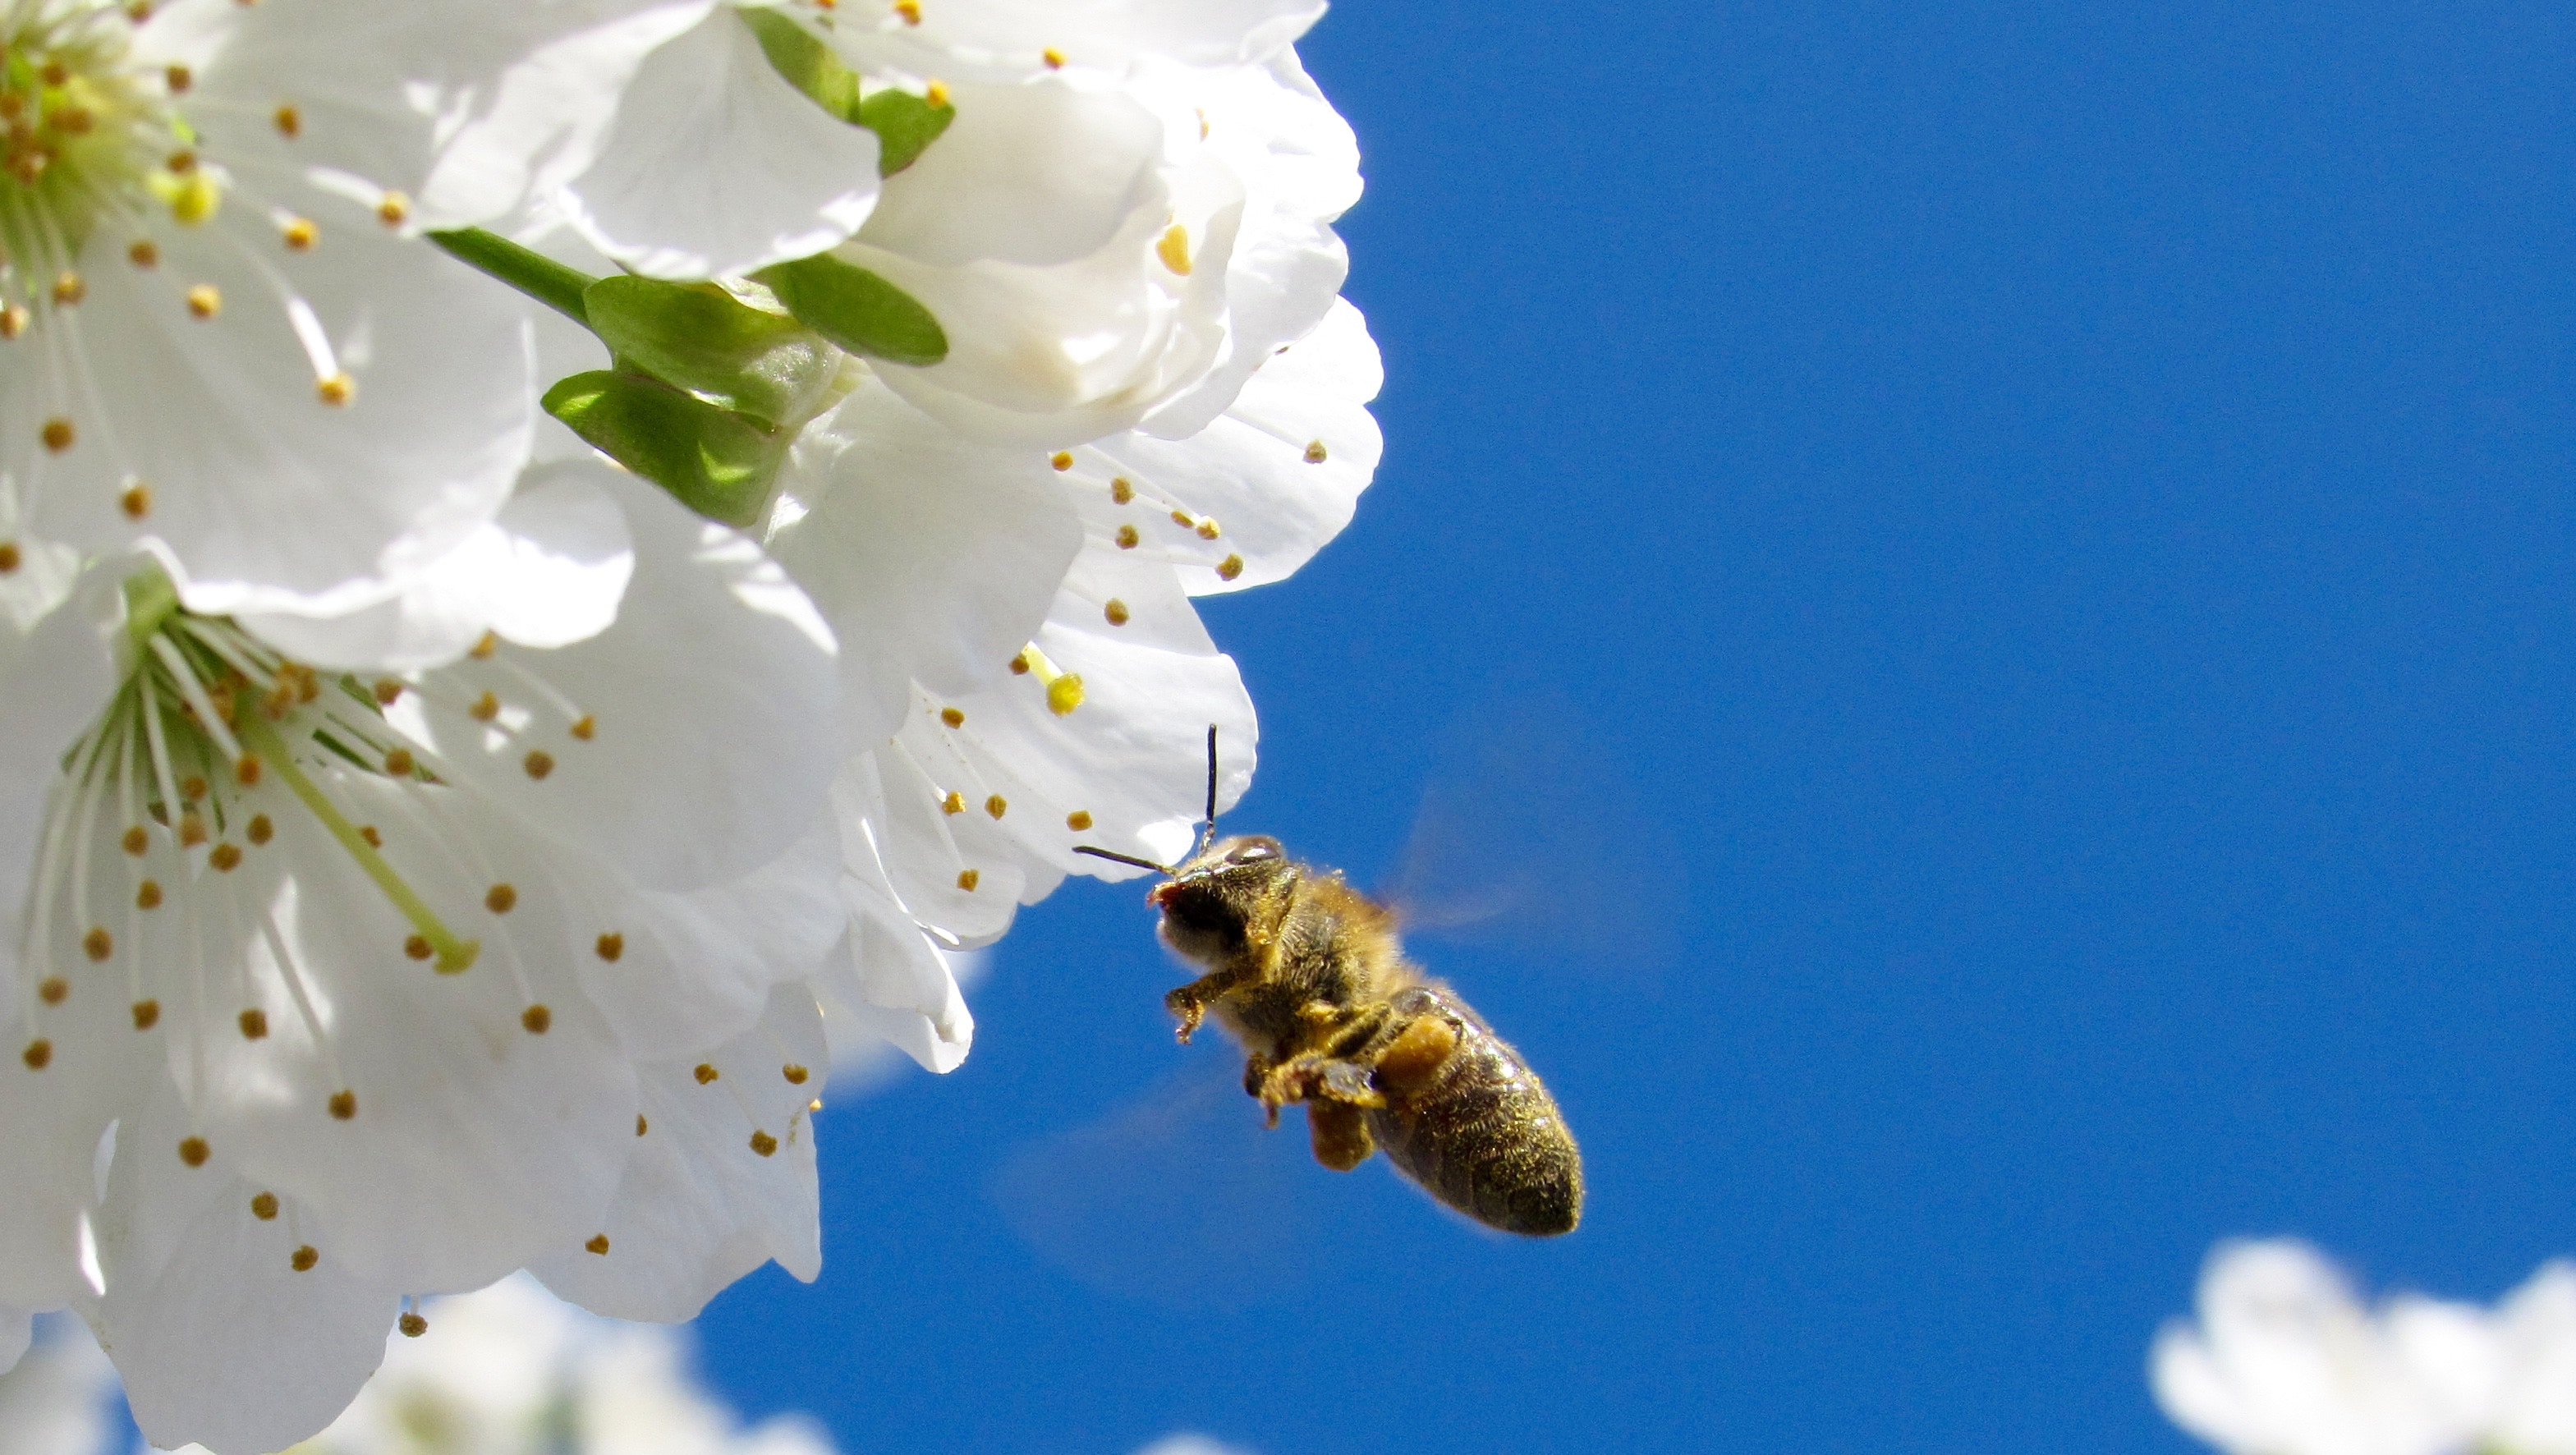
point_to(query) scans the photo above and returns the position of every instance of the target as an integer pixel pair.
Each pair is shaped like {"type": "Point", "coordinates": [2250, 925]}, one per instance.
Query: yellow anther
{"type": "Point", "coordinates": [246, 771]}
{"type": "Point", "coordinates": [537, 1019]}
{"type": "Point", "coordinates": [58, 434]}
{"type": "Point", "coordinates": [538, 764]}
{"type": "Point", "coordinates": [143, 252]}
{"type": "Point", "coordinates": [192, 787]}
{"type": "Point", "coordinates": [368, 832]}
{"type": "Point", "coordinates": [344, 1105]}
{"type": "Point", "coordinates": [1184, 518]}
{"type": "Point", "coordinates": [260, 830]}
{"type": "Point", "coordinates": [1230, 567]}
{"type": "Point", "coordinates": [412, 1325]}
{"type": "Point", "coordinates": [1203, 123]}
{"type": "Point", "coordinates": [193, 1151]}
{"type": "Point", "coordinates": [1314, 452]}
{"type": "Point", "coordinates": [1122, 490]}
{"type": "Point", "coordinates": [264, 1207]}
{"type": "Point", "coordinates": [398, 763]}
{"type": "Point", "coordinates": [598, 1245]}
{"type": "Point", "coordinates": [136, 502]}
{"type": "Point", "coordinates": [1064, 694]}
{"type": "Point", "coordinates": [394, 210]}
{"type": "Point", "coordinates": [1020, 665]}
{"type": "Point", "coordinates": [416, 946]}
{"type": "Point", "coordinates": [225, 857]}
{"type": "Point", "coordinates": [14, 320]}
{"type": "Point", "coordinates": [147, 895]}
{"type": "Point", "coordinates": [1077, 820]}
{"type": "Point", "coordinates": [794, 1073]}
{"type": "Point", "coordinates": [1061, 459]}
{"type": "Point", "coordinates": [955, 802]}
{"type": "Point", "coordinates": [1054, 58]}
{"type": "Point", "coordinates": [289, 121]}
{"type": "Point", "coordinates": [640, 1124]}
{"type": "Point", "coordinates": [69, 288]}
{"type": "Point", "coordinates": [910, 10]}
{"type": "Point", "coordinates": [484, 647]}
{"type": "Point", "coordinates": [178, 79]}
{"type": "Point", "coordinates": [1208, 529]}
{"type": "Point", "coordinates": [500, 898]}
{"type": "Point", "coordinates": [180, 163]}
{"type": "Point", "coordinates": [935, 94]}
{"type": "Point", "coordinates": [194, 198]}
{"type": "Point", "coordinates": [1116, 611]}
{"type": "Point", "coordinates": [586, 728]}
{"type": "Point", "coordinates": [706, 1073]}
{"type": "Point", "coordinates": [967, 879]}
{"type": "Point", "coordinates": [192, 829]}
{"type": "Point", "coordinates": [609, 946]}
{"type": "Point", "coordinates": [1174, 249]}
{"type": "Point", "coordinates": [763, 1143]}
{"type": "Point", "coordinates": [304, 1259]}
{"type": "Point", "coordinates": [254, 1024]}
{"type": "Point", "coordinates": [388, 691]}
{"type": "Point", "coordinates": [9, 557]}
{"type": "Point", "coordinates": [38, 1055]}
{"type": "Point", "coordinates": [98, 944]}
{"type": "Point", "coordinates": [147, 1014]}
{"type": "Point", "coordinates": [1127, 538]}
{"type": "Point", "coordinates": [54, 988]}
{"type": "Point", "coordinates": [335, 391]}
{"type": "Point", "coordinates": [952, 717]}
{"type": "Point", "coordinates": [485, 708]}
{"type": "Point", "coordinates": [997, 805]}
{"type": "Point", "coordinates": [205, 301]}
{"type": "Point", "coordinates": [299, 234]}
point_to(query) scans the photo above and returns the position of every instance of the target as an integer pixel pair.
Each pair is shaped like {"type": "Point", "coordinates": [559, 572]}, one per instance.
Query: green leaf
{"type": "Point", "coordinates": [797, 54]}
{"type": "Point", "coordinates": [713, 460]}
{"type": "Point", "coordinates": [904, 124]}
{"type": "Point", "coordinates": [705, 340]}
{"type": "Point", "coordinates": [857, 310]}
{"type": "Point", "coordinates": [533, 273]}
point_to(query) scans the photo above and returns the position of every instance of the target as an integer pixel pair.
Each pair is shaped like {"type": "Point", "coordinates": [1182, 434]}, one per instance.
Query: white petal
{"type": "Point", "coordinates": [267, 496]}
{"type": "Point", "coordinates": [17, 1331]}
{"type": "Point", "coordinates": [220, 1339]}
{"type": "Point", "coordinates": [717, 165]}
{"type": "Point", "coordinates": [54, 680]}
{"type": "Point", "coordinates": [478, 111]}
{"type": "Point", "coordinates": [892, 983]}
{"type": "Point", "coordinates": [1036, 175]}
{"type": "Point", "coordinates": [956, 873]}
{"type": "Point", "coordinates": [476, 1144]}
{"type": "Point", "coordinates": [1279, 472]}
{"type": "Point", "coordinates": [547, 572]}
{"type": "Point", "coordinates": [700, 1205]}
{"type": "Point", "coordinates": [932, 557]}
{"type": "Point", "coordinates": [708, 703]}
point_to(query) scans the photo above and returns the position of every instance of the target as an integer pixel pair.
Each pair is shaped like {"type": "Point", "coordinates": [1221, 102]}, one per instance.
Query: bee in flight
{"type": "Point", "coordinates": [1308, 975]}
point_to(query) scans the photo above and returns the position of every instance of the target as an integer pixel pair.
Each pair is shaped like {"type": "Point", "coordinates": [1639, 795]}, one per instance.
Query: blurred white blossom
{"type": "Point", "coordinates": [2286, 1360]}
{"type": "Point", "coordinates": [56, 1401]}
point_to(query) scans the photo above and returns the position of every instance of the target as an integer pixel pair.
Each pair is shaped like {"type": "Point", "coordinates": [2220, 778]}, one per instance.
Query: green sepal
{"type": "Point", "coordinates": [700, 337]}
{"type": "Point", "coordinates": [712, 460]}
{"type": "Point", "coordinates": [856, 309]}
{"type": "Point", "coordinates": [151, 599]}
{"type": "Point", "coordinates": [807, 64]}
{"type": "Point", "coordinates": [540, 277]}
{"type": "Point", "coordinates": [905, 124]}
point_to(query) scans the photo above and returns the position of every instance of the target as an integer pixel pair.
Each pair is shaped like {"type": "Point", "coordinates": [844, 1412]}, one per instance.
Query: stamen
{"type": "Point", "coordinates": [537, 1019]}
{"type": "Point", "coordinates": [147, 1014]}
{"type": "Point", "coordinates": [794, 1073]}
{"type": "Point", "coordinates": [193, 1151]}
{"type": "Point", "coordinates": [304, 1259]}
{"type": "Point", "coordinates": [706, 1073]}
{"type": "Point", "coordinates": [344, 1104]}
{"type": "Point", "coordinates": [1077, 820]}
{"type": "Point", "coordinates": [412, 1325]}
{"type": "Point", "coordinates": [763, 1143]}
{"type": "Point", "coordinates": [598, 1245]}
{"type": "Point", "coordinates": [38, 1055]}
{"type": "Point", "coordinates": [264, 1207]}
{"type": "Point", "coordinates": [610, 946]}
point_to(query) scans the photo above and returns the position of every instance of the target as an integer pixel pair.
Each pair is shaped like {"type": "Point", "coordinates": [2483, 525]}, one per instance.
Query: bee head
{"type": "Point", "coordinates": [1208, 901]}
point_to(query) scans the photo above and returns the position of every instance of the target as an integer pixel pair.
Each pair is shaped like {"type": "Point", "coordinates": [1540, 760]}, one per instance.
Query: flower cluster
{"type": "Point", "coordinates": [2287, 1361]}
{"type": "Point", "coordinates": [546, 549]}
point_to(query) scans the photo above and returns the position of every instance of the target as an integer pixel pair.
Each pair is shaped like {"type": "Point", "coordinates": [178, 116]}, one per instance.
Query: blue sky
{"type": "Point", "coordinates": [2053, 521]}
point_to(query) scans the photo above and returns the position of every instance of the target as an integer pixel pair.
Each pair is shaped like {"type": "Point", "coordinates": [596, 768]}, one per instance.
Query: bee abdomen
{"type": "Point", "coordinates": [1481, 1133]}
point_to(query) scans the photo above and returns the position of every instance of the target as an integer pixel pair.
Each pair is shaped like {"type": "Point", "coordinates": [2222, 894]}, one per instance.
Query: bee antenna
{"type": "Point", "coordinates": [1207, 828]}
{"type": "Point", "coordinates": [1116, 857]}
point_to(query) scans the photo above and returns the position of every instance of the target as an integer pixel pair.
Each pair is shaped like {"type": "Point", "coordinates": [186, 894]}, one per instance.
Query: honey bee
{"type": "Point", "coordinates": [1309, 976]}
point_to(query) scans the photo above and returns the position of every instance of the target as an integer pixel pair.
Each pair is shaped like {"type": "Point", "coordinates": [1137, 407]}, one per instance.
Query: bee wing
{"type": "Point", "coordinates": [1529, 839]}
{"type": "Point", "coordinates": [1179, 1197]}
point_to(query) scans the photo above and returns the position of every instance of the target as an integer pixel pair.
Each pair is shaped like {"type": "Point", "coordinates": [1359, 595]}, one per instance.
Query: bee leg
{"type": "Point", "coordinates": [1340, 1134]}
{"type": "Point", "coordinates": [1190, 1002]}
{"type": "Point", "coordinates": [1318, 1079]}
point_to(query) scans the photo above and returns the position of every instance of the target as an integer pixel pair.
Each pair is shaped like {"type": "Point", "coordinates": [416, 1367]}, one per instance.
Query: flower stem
{"type": "Point", "coordinates": [454, 954]}
{"type": "Point", "coordinates": [540, 277]}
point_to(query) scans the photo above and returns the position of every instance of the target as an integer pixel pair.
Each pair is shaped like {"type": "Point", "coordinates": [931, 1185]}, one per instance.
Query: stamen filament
{"type": "Point", "coordinates": [454, 954]}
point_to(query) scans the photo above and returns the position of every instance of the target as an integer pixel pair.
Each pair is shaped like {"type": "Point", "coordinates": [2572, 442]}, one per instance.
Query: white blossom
{"type": "Point", "coordinates": [55, 1401]}
{"type": "Point", "coordinates": [246, 364]}
{"type": "Point", "coordinates": [2286, 1361]}
{"type": "Point", "coordinates": [333, 989]}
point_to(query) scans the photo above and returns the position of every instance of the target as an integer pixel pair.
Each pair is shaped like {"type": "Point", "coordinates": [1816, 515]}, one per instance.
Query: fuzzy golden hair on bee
{"type": "Point", "coordinates": [1309, 976]}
